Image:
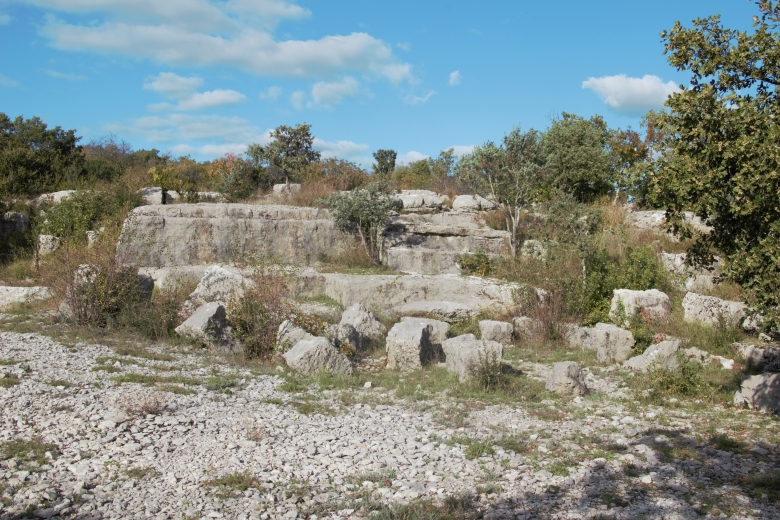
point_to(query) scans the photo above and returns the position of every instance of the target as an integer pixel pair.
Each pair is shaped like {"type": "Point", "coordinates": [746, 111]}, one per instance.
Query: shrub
{"type": "Point", "coordinates": [477, 263]}
{"type": "Point", "coordinates": [156, 319]}
{"type": "Point", "coordinates": [256, 315]}
{"type": "Point", "coordinates": [74, 216]}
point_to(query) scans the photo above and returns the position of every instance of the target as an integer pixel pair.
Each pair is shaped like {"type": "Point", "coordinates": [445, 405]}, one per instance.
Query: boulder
{"type": "Point", "coordinates": [419, 200]}
{"type": "Point", "coordinates": [218, 284]}
{"type": "Point", "coordinates": [289, 334]}
{"type": "Point", "coordinates": [14, 222]}
{"type": "Point", "coordinates": [446, 311]}
{"type": "Point", "coordinates": [758, 357]}
{"type": "Point", "coordinates": [343, 334]}
{"type": "Point", "coordinates": [654, 220]}
{"type": "Point", "coordinates": [10, 296]}
{"type": "Point", "coordinates": [47, 244]}
{"type": "Point", "coordinates": [652, 304]}
{"type": "Point", "coordinates": [207, 325]}
{"type": "Point", "coordinates": [612, 343]}
{"type": "Point", "coordinates": [286, 189]}
{"type": "Point", "coordinates": [566, 378]}
{"type": "Point", "coordinates": [439, 329]}
{"type": "Point", "coordinates": [152, 196]}
{"type": "Point", "coordinates": [761, 392]}
{"type": "Point", "coordinates": [409, 346]}
{"type": "Point", "coordinates": [710, 310]}
{"type": "Point", "coordinates": [498, 331]}
{"type": "Point", "coordinates": [315, 356]}
{"type": "Point", "coordinates": [471, 203]}
{"type": "Point", "coordinates": [210, 196]}
{"type": "Point", "coordinates": [171, 196]}
{"type": "Point", "coordinates": [53, 198]}
{"type": "Point", "coordinates": [464, 354]}
{"type": "Point", "coordinates": [660, 355]}
{"type": "Point", "coordinates": [364, 322]}
{"type": "Point", "coordinates": [525, 328]}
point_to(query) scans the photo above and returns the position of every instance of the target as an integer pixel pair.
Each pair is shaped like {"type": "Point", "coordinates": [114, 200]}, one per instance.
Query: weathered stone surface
{"type": "Point", "coordinates": [47, 244]}
{"type": "Point", "coordinates": [446, 311]}
{"type": "Point", "coordinates": [342, 334]}
{"type": "Point", "coordinates": [289, 334]}
{"type": "Point", "coordinates": [525, 327]}
{"type": "Point", "coordinates": [363, 321]}
{"type": "Point", "coordinates": [471, 203]}
{"type": "Point", "coordinates": [207, 324]}
{"type": "Point", "coordinates": [152, 196]}
{"type": "Point", "coordinates": [439, 329]}
{"type": "Point", "coordinates": [286, 189]}
{"type": "Point", "coordinates": [758, 357]}
{"type": "Point", "coordinates": [172, 196]}
{"type": "Point", "coordinates": [653, 220]}
{"type": "Point", "coordinates": [464, 354]}
{"type": "Point", "coordinates": [660, 355]}
{"type": "Point", "coordinates": [315, 356]}
{"type": "Point", "coordinates": [499, 331]}
{"type": "Point", "coordinates": [208, 233]}
{"type": "Point", "coordinates": [652, 304]}
{"type": "Point", "coordinates": [210, 196]}
{"type": "Point", "coordinates": [14, 222]}
{"type": "Point", "coordinates": [566, 379]}
{"type": "Point", "coordinates": [685, 276]}
{"type": "Point", "coordinates": [408, 345]}
{"type": "Point", "coordinates": [53, 198]}
{"type": "Point", "coordinates": [761, 392]}
{"type": "Point", "coordinates": [612, 343]}
{"type": "Point", "coordinates": [417, 200]}
{"type": "Point", "coordinates": [10, 296]}
{"type": "Point", "coordinates": [218, 284]}
{"type": "Point", "coordinates": [710, 310]}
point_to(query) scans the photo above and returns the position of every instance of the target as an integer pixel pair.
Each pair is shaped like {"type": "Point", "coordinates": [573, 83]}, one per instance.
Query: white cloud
{"type": "Point", "coordinates": [226, 34]}
{"type": "Point", "coordinates": [344, 150]}
{"type": "Point", "coordinates": [5, 81]}
{"type": "Point", "coordinates": [5, 19]}
{"type": "Point", "coordinates": [172, 85]}
{"type": "Point", "coordinates": [411, 99]}
{"type": "Point", "coordinates": [625, 94]}
{"type": "Point", "coordinates": [329, 95]}
{"type": "Point", "coordinates": [298, 99]}
{"type": "Point", "coordinates": [209, 150]}
{"type": "Point", "coordinates": [410, 157]}
{"type": "Point", "coordinates": [214, 98]}
{"type": "Point", "coordinates": [187, 127]}
{"type": "Point", "coordinates": [64, 75]}
{"type": "Point", "coordinates": [272, 93]}
{"type": "Point", "coordinates": [404, 46]}
{"type": "Point", "coordinates": [460, 151]}
{"type": "Point", "coordinates": [455, 78]}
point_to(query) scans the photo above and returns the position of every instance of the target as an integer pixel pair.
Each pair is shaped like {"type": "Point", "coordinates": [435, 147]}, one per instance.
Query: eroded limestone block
{"type": "Point", "coordinates": [315, 356]}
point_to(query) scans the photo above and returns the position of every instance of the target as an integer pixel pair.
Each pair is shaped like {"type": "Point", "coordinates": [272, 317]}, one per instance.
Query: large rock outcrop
{"type": "Point", "coordinates": [315, 356]}
{"type": "Point", "coordinates": [466, 354]}
{"type": "Point", "coordinates": [651, 304]}
{"type": "Point", "coordinates": [611, 343]}
{"type": "Point", "coordinates": [409, 345]}
{"type": "Point", "coordinates": [710, 310]}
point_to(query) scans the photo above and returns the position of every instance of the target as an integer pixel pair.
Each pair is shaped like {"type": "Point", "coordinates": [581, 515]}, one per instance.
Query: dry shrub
{"type": "Point", "coordinates": [256, 315]}
{"type": "Point", "coordinates": [494, 219]}
{"type": "Point", "coordinates": [143, 404]}
{"type": "Point", "coordinates": [156, 319]}
{"type": "Point", "coordinates": [310, 193]}
{"type": "Point", "coordinates": [254, 432]}
{"type": "Point", "coordinates": [338, 174]}
{"type": "Point", "coordinates": [549, 314]}
{"type": "Point", "coordinates": [351, 258]}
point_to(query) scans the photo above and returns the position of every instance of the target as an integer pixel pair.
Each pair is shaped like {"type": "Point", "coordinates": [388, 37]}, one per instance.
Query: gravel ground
{"type": "Point", "coordinates": [104, 449]}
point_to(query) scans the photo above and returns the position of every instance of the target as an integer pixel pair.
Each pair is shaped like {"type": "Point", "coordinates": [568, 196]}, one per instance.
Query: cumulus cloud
{"type": "Point", "coordinates": [174, 86]}
{"type": "Point", "coordinates": [410, 157]}
{"type": "Point", "coordinates": [189, 127]}
{"type": "Point", "coordinates": [344, 150]}
{"type": "Point", "coordinates": [631, 95]}
{"type": "Point", "coordinates": [411, 99]}
{"type": "Point", "coordinates": [225, 34]}
{"type": "Point", "coordinates": [404, 46]}
{"type": "Point", "coordinates": [455, 78]}
{"type": "Point", "coordinates": [271, 93]}
{"type": "Point", "coordinates": [64, 75]}
{"type": "Point", "coordinates": [214, 98]}
{"type": "Point", "coordinates": [330, 94]}
{"type": "Point", "coordinates": [5, 81]}
{"type": "Point", "coordinates": [209, 150]}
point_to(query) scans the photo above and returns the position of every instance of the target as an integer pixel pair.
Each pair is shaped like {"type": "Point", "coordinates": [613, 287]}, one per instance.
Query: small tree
{"type": "Point", "coordinates": [364, 211]}
{"type": "Point", "coordinates": [385, 163]}
{"type": "Point", "coordinates": [290, 150]}
{"type": "Point", "coordinates": [510, 175]}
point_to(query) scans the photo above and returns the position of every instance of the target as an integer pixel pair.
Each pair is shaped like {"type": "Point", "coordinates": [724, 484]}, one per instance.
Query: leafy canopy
{"type": "Point", "coordinates": [720, 158]}
{"type": "Point", "coordinates": [290, 150]}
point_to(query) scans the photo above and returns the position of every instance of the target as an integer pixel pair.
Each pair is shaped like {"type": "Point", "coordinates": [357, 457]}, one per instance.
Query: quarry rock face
{"type": "Point", "coordinates": [466, 354]}
{"type": "Point", "coordinates": [315, 356]}
{"type": "Point", "coordinates": [409, 345]}
{"type": "Point", "coordinates": [566, 379]}
{"type": "Point", "coordinates": [710, 310]}
{"type": "Point", "coordinates": [651, 304]}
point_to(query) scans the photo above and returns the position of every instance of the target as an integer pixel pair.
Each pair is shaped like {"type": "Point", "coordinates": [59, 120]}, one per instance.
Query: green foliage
{"type": "Point", "coordinates": [575, 150]}
{"type": "Point", "coordinates": [32, 451]}
{"type": "Point", "coordinates": [511, 175]}
{"type": "Point", "coordinates": [426, 173]}
{"type": "Point", "coordinates": [385, 163]}
{"type": "Point", "coordinates": [337, 174]}
{"type": "Point", "coordinates": [477, 263]}
{"type": "Point", "coordinates": [288, 153]}
{"type": "Point", "coordinates": [685, 381]}
{"type": "Point", "coordinates": [236, 178]}
{"type": "Point", "coordinates": [99, 293]}
{"type": "Point", "coordinates": [719, 149]}
{"type": "Point", "coordinates": [364, 211]}
{"type": "Point", "coordinates": [35, 159]}
{"type": "Point", "coordinates": [74, 216]}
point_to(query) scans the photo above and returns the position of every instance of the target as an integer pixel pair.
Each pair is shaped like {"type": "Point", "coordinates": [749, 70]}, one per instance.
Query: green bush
{"type": "Point", "coordinates": [477, 263]}
{"type": "Point", "coordinates": [98, 294]}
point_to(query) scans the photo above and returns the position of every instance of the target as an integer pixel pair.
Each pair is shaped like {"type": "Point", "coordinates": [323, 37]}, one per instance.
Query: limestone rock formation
{"type": "Point", "coordinates": [498, 331]}
{"type": "Point", "coordinates": [314, 356]}
{"type": "Point", "coordinates": [525, 327]}
{"type": "Point", "coordinates": [446, 311]}
{"type": "Point", "coordinates": [566, 378]}
{"type": "Point", "coordinates": [218, 283]}
{"type": "Point", "coordinates": [286, 189]}
{"type": "Point", "coordinates": [465, 354]}
{"type": "Point", "coordinates": [651, 304]}
{"type": "Point", "coordinates": [208, 325]}
{"type": "Point", "coordinates": [660, 355]}
{"type": "Point", "coordinates": [409, 346]}
{"type": "Point", "coordinates": [471, 203]}
{"type": "Point", "coordinates": [612, 343]}
{"type": "Point", "coordinates": [710, 310]}
{"type": "Point", "coordinates": [419, 200]}
{"type": "Point", "coordinates": [290, 334]}
{"type": "Point", "coordinates": [47, 244]}
{"type": "Point", "coordinates": [761, 392]}
{"type": "Point", "coordinates": [363, 321]}
{"type": "Point", "coordinates": [152, 196]}
{"type": "Point", "coordinates": [439, 329]}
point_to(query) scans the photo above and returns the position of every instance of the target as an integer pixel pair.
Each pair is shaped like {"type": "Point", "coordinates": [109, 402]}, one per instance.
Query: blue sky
{"type": "Point", "coordinates": [206, 77]}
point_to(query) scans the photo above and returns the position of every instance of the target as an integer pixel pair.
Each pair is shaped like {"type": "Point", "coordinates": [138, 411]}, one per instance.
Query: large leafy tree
{"type": "Point", "coordinates": [576, 152]}
{"type": "Point", "coordinates": [288, 153]}
{"type": "Point", "coordinates": [511, 175]}
{"type": "Point", "coordinates": [721, 157]}
{"type": "Point", "coordinates": [35, 158]}
{"type": "Point", "coordinates": [385, 163]}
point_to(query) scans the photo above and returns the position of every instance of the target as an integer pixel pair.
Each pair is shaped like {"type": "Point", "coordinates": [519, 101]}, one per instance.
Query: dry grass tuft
{"type": "Point", "coordinates": [143, 404]}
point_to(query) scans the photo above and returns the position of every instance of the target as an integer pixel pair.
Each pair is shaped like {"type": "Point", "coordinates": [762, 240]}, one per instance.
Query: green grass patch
{"type": "Point", "coordinates": [311, 407]}
{"type": "Point", "coordinates": [272, 400]}
{"type": "Point", "coordinates": [10, 361]}
{"type": "Point", "coordinates": [144, 379]}
{"type": "Point", "coordinates": [489, 489]}
{"type": "Point", "coordinates": [143, 354]}
{"type": "Point", "coordinates": [221, 384]}
{"type": "Point", "coordinates": [766, 483]}
{"type": "Point", "coordinates": [175, 389]}
{"type": "Point", "coordinates": [111, 369]}
{"type": "Point", "coordinates": [385, 477]}
{"type": "Point", "coordinates": [459, 507]}
{"type": "Point", "coordinates": [9, 380]}
{"type": "Point", "coordinates": [31, 453]}
{"type": "Point", "coordinates": [59, 382]}
{"type": "Point", "coordinates": [141, 472]}
{"type": "Point", "coordinates": [236, 481]}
